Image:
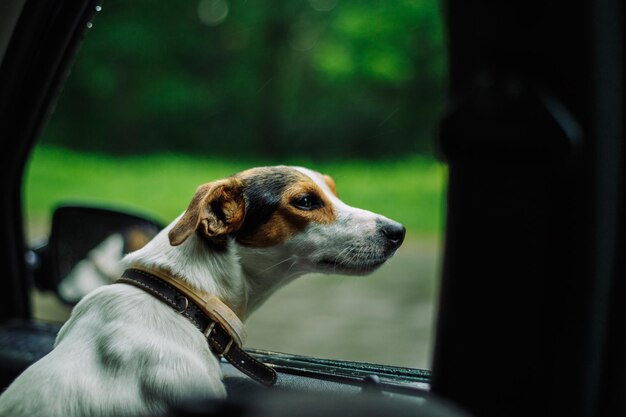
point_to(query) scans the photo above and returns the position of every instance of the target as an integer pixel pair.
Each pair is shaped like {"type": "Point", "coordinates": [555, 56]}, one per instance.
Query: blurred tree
{"type": "Point", "coordinates": [234, 77]}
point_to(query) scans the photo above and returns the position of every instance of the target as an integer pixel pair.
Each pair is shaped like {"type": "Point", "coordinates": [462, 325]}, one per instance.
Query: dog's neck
{"type": "Point", "coordinates": [242, 286]}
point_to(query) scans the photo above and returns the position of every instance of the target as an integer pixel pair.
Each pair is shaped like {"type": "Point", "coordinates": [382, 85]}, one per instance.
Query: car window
{"type": "Point", "coordinates": [166, 96]}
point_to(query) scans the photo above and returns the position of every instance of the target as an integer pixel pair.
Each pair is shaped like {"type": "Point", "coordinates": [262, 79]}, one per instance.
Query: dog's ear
{"type": "Point", "coordinates": [216, 209]}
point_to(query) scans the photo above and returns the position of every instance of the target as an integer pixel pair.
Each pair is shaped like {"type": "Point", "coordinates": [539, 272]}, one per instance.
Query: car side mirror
{"type": "Point", "coordinates": [85, 247]}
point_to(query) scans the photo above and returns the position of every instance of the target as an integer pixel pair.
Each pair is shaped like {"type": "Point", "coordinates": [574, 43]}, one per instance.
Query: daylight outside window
{"type": "Point", "coordinates": [166, 96]}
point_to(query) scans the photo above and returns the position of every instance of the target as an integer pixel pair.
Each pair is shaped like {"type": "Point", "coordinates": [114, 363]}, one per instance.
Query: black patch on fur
{"type": "Point", "coordinates": [263, 193]}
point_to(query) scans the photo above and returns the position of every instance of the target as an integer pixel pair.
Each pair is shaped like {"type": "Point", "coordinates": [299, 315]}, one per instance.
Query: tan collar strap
{"type": "Point", "coordinates": [208, 303]}
{"type": "Point", "coordinates": [214, 319]}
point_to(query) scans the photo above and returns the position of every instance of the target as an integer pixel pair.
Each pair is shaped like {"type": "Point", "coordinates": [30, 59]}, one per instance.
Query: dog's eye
{"type": "Point", "coordinates": [306, 202]}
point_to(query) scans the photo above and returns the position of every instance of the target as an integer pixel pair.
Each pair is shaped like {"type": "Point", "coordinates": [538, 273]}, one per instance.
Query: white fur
{"type": "Point", "coordinates": [124, 353]}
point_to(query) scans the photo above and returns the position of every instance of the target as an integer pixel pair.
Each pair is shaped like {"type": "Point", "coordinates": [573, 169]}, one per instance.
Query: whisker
{"type": "Point", "coordinates": [343, 256]}
{"type": "Point", "coordinates": [292, 265]}
{"type": "Point", "coordinates": [341, 253]}
{"type": "Point", "coordinates": [278, 263]}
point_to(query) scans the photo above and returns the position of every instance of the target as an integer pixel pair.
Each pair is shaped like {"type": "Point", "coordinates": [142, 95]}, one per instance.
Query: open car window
{"type": "Point", "coordinates": [165, 97]}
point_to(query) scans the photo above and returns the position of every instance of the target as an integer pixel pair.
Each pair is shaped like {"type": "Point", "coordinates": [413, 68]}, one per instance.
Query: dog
{"type": "Point", "coordinates": [124, 352]}
{"type": "Point", "coordinates": [102, 264]}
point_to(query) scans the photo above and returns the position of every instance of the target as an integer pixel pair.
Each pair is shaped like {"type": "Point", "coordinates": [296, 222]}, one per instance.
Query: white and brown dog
{"type": "Point", "coordinates": [123, 352]}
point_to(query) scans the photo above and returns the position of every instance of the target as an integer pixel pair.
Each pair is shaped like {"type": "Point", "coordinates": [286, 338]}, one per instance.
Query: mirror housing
{"type": "Point", "coordinates": [85, 247]}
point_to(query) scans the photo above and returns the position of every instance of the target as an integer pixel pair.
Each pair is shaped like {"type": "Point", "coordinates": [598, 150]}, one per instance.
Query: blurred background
{"type": "Point", "coordinates": [164, 96]}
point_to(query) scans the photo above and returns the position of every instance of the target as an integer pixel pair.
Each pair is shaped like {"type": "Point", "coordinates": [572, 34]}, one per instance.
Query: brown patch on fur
{"type": "Point", "coordinates": [331, 184]}
{"type": "Point", "coordinates": [287, 220]}
{"type": "Point", "coordinates": [216, 209]}
{"type": "Point", "coordinates": [136, 238]}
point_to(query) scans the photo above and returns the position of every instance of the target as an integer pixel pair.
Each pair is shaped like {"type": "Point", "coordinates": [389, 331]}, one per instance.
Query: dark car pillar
{"type": "Point", "coordinates": [530, 321]}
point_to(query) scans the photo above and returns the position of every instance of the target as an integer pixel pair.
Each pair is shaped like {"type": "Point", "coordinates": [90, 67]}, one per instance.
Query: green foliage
{"type": "Point", "coordinates": [345, 78]}
{"type": "Point", "coordinates": [408, 190]}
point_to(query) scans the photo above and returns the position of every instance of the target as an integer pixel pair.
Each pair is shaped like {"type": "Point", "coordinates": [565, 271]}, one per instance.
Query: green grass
{"type": "Point", "coordinates": [408, 190]}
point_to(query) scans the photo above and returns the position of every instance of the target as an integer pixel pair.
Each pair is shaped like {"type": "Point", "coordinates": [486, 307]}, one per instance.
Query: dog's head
{"type": "Point", "coordinates": [292, 216]}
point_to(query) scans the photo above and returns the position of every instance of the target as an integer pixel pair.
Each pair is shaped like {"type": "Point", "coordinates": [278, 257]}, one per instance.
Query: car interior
{"type": "Point", "coordinates": [531, 316]}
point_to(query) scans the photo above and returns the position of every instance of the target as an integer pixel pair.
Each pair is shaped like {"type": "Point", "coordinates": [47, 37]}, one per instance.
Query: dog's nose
{"type": "Point", "coordinates": [394, 232]}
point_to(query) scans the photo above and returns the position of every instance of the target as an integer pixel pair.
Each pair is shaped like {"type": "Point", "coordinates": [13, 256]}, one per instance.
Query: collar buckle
{"type": "Point", "coordinates": [212, 317]}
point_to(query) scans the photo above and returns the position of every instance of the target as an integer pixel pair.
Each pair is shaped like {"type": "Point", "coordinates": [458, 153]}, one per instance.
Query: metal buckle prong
{"type": "Point", "coordinates": [227, 348]}
{"type": "Point", "coordinates": [208, 330]}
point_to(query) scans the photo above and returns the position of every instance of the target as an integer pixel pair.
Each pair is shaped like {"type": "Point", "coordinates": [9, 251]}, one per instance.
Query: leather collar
{"type": "Point", "coordinates": [222, 328]}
